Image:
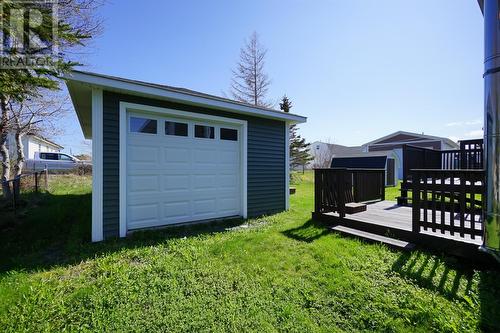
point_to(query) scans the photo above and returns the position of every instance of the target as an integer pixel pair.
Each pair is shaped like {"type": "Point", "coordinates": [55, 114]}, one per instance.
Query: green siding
{"type": "Point", "coordinates": [266, 159]}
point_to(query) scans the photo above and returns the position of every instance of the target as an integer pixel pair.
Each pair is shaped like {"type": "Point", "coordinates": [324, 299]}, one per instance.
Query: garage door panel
{"type": "Point", "coordinates": [176, 182]}
{"type": "Point", "coordinates": [228, 204]}
{"type": "Point", "coordinates": [176, 155]}
{"type": "Point", "coordinates": [141, 215]}
{"type": "Point", "coordinates": [228, 181]}
{"type": "Point", "coordinates": [204, 206]}
{"type": "Point", "coordinates": [173, 179]}
{"type": "Point", "coordinates": [201, 182]}
{"type": "Point", "coordinates": [205, 156]}
{"type": "Point", "coordinates": [143, 154]}
{"type": "Point", "coordinates": [141, 184]}
{"type": "Point", "coordinates": [228, 157]}
{"type": "Point", "coordinates": [176, 210]}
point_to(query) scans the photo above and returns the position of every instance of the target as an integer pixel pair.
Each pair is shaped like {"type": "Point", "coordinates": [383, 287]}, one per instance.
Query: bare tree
{"type": "Point", "coordinates": [77, 24]}
{"type": "Point", "coordinates": [323, 156]}
{"type": "Point", "coordinates": [35, 115]}
{"type": "Point", "coordinates": [250, 83]}
{"type": "Point", "coordinates": [4, 151]}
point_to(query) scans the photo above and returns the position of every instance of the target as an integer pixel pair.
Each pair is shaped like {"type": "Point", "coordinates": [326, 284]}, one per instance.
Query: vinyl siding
{"type": "Point", "coordinates": [111, 164]}
{"type": "Point", "coordinates": [265, 170]}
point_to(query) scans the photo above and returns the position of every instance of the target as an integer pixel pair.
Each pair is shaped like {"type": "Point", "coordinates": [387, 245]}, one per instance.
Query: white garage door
{"type": "Point", "coordinates": [181, 170]}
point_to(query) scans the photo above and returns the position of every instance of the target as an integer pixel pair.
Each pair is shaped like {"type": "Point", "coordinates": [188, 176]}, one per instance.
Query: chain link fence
{"type": "Point", "coordinates": [33, 182]}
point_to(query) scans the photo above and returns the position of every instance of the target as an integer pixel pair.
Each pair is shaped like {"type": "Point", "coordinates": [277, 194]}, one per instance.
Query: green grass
{"type": "Point", "coordinates": [391, 193]}
{"type": "Point", "coordinates": [279, 273]}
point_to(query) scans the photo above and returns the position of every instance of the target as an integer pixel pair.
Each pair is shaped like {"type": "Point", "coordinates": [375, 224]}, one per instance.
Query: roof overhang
{"type": "Point", "coordinates": [80, 85]}
{"type": "Point", "coordinates": [48, 142]}
{"type": "Point", "coordinates": [481, 5]}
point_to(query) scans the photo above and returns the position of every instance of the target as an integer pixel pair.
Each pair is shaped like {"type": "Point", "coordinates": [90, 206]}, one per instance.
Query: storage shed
{"type": "Point", "coordinates": [164, 155]}
{"type": "Point", "coordinates": [369, 161]}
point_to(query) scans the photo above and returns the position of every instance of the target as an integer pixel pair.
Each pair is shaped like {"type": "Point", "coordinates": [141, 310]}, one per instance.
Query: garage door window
{"type": "Point", "coordinates": [228, 134]}
{"type": "Point", "coordinates": [177, 129]}
{"type": "Point", "coordinates": [143, 125]}
{"type": "Point", "coordinates": [207, 132]}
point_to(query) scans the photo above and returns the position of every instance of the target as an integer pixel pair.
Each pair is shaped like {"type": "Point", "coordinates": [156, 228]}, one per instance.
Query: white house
{"type": "Point", "coordinates": [323, 153]}
{"type": "Point", "coordinates": [385, 152]}
{"type": "Point", "coordinates": [32, 144]}
{"type": "Point", "coordinates": [392, 144]}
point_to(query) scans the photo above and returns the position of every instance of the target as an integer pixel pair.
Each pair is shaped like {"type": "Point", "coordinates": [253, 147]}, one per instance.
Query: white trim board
{"type": "Point", "coordinates": [126, 107]}
{"type": "Point", "coordinates": [287, 166]}
{"type": "Point", "coordinates": [97, 167]}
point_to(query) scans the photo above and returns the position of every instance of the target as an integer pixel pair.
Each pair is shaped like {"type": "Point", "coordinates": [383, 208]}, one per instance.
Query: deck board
{"type": "Point", "coordinates": [389, 214]}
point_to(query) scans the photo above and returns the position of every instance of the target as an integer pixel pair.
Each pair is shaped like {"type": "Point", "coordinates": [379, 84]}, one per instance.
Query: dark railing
{"type": "Point", "coordinates": [470, 156]}
{"type": "Point", "coordinates": [448, 201]}
{"type": "Point", "coordinates": [333, 188]}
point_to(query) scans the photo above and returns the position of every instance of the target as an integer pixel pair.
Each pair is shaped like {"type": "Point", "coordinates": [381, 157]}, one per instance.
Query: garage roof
{"type": "Point", "coordinates": [80, 86]}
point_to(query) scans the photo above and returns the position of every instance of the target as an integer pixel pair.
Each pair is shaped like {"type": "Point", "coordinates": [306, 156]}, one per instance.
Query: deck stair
{"type": "Point", "coordinates": [374, 238]}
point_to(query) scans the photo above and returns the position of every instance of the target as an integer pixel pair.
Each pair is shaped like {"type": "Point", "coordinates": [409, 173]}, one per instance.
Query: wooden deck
{"type": "Point", "coordinates": [389, 215]}
{"type": "Point", "coordinates": [385, 218]}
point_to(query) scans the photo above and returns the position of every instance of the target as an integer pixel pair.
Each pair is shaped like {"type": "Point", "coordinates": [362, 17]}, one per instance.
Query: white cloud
{"type": "Point", "coordinates": [474, 134]}
{"type": "Point", "coordinates": [473, 122]}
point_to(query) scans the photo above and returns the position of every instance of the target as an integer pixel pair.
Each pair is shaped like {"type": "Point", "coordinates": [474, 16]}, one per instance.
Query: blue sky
{"type": "Point", "coordinates": [358, 69]}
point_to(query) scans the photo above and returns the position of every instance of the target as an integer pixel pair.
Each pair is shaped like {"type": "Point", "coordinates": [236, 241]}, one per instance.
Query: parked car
{"type": "Point", "coordinates": [54, 161]}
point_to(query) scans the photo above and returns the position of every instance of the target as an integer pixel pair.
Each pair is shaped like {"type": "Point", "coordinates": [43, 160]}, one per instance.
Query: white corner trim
{"type": "Point", "coordinates": [287, 166]}
{"type": "Point", "coordinates": [97, 172]}
{"type": "Point", "coordinates": [125, 107]}
{"type": "Point", "coordinates": [244, 167]}
{"type": "Point", "coordinates": [122, 170]}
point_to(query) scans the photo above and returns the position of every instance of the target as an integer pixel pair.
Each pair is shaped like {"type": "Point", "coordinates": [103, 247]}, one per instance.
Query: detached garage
{"type": "Point", "coordinates": [165, 155]}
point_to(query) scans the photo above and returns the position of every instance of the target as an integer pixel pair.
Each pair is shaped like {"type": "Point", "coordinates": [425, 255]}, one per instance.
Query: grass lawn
{"type": "Point", "coordinates": [279, 273]}
{"type": "Point", "coordinates": [391, 193]}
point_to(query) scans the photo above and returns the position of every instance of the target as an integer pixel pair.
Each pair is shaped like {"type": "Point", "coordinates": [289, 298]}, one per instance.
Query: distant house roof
{"type": "Point", "coordinates": [409, 137]}
{"type": "Point", "coordinates": [360, 162]}
{"type": "Point", "coordinates": [339, 149]}
{"type": "Point", "coordinates": [47, 141]}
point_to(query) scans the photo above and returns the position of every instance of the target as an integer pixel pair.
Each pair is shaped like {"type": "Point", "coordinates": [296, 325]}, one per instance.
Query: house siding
{"type": "Point", "coordinates": [265, 159]}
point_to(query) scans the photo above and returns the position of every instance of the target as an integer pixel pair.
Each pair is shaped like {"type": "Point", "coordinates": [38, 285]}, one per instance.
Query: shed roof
{"type": "Point", "coordinates": [80, 85]}
{"type": "Point", "coordinates": [359, 162]}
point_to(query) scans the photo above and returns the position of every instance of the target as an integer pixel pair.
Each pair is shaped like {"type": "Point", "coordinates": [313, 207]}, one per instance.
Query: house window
{"type": "Point", "coordinates": [207, 132]}
{"type": "Point", "coordinates": [142, 125]}
{"type": "Point", "coordinates": [177, 129]}
{"type": "Point", "coordinates": [228, 134]}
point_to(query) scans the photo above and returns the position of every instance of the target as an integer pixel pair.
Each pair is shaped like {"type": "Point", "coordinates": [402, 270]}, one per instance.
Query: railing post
{"type": "Point", "coordinates": [317, 191]}
{"type": "Point", "coordinates": [415, 193]}
{"type": "Point", "coordinates": [404, 184]}
{"type": "Point", "coordinates": [382, 185]}
{"type": "Point", "coordinates": [36, 182]}
{"type": "Point", "coordinates": [342, 193]}
{"type": "Point", "coordinates": [46, 180]}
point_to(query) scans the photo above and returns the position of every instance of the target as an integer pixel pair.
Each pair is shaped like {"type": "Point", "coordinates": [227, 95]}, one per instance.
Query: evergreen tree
{"type": "Point", "coordinates": [299, 148]}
